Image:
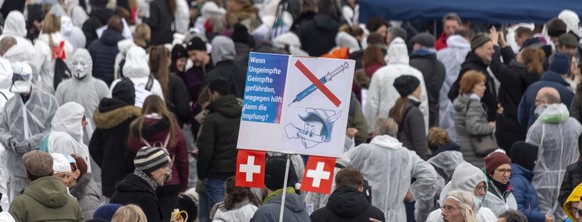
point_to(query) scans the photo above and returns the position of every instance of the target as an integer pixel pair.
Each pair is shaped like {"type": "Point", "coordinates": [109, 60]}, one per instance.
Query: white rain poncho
{"type": "Point", "coordinates": [5, 82]}
{"type": "Point", "coordinates": [452, 57]}
{"type": "Point", "coordinates": [556, 135]}
{"type": "Point", "coordinates": [22, 126]}
{"type": "Point", "coordinates": [465, 178]}
{"type": "Point", "coordinates": [448, 162]}
{"type": "Point", "coordinates": [382, 95]}
{"type": "Point", "coordinates": [66, 135]}
{"type": "Point", "coordinates": [123, 46]}
{"type": "Point", "coordinates": [389, 168]}
{"type": "Point", "coordinates": [23, 51]}
{"type": "Point", "coordinates": [87, 91]}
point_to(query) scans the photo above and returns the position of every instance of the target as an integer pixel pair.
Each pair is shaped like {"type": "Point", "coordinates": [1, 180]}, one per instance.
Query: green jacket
{"type": "Point", "coordinates": [46, 199]}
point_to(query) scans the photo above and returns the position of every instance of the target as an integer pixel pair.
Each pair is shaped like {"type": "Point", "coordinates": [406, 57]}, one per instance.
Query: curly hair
{"type": "Point", "coordinates": [437, 137]}
{"type": "Point", "coordinates": [236, 194]}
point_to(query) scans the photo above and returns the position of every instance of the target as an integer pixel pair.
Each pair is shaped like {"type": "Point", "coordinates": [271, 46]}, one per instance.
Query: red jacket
{"type": "Point", "coordinates": [441, 42]}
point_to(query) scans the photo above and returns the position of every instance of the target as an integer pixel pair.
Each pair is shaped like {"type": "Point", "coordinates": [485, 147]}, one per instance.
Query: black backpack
{"type": "Point", "coordinates": [62, 71]}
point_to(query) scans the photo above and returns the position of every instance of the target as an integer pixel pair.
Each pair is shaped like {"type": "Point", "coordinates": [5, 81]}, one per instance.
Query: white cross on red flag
{"type": "Point", "coordinates": [250, 168]}
{"type": "Point", "coordinates": [318, 176]}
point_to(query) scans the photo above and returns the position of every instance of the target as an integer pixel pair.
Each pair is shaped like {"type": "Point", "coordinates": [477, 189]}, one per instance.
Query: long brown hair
{"type": "Point", "coordinates": [158, 63]}
{"type": "Point", "coordinates": [373, 55]}
{"type": "Point", "coordinates": [50, 25]}
{"type": "Point", "coordinates": [155, 104]}
{"type": "Point", "coordinates": [533, 59]}
{"type": "Point", "coordinates": [397, 110]}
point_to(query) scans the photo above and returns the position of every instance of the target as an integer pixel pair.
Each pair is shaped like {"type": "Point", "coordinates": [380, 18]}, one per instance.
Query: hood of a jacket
{"type": "Point", "coordinates": [153, 126]}
{"type": "Point", "coordinates": [460, 104]}
{"type": "Point", "coordinates": [518, 170]}
{"type": "Point", "coordinates": [345, 40]}
{"type": "Point", "coordinates": [450, 146]}
{"type": "Point", "coordinates": [447, 161]}
{"type": "Point", "coordinates": [68, 119]}
{"type": "Point", "coordinates": [124, 46]}
{"type": "Point", "coordinates": [387, 142]}
{"type": "Point", "coordinates": [466, 178]}
{"type": "Point", "coordinates": [554, 77]}
{"type": "Point", "coordinates": [49, 191]}
{"type": "Point", "coordinates": [347, 202]}
{"type": "Point", "coordinates": [228, 106]}
{"type": "Point", "coordinates": [293, 202]}
{"type": "Point", "coordinates": [572, 21]}
{"type": "Point", "coordinates": [554, 113]}
{"type": "Point", "coordinates": [5, 75]}
{"type": "Point", "coordinates": [458, 41]}
{"type": "Point", "coordinates": [20, 53]}
{"type": "Point", "coordinates": [222, 49]}
{"type": "Point", "coordinates": [289, 38]}
{"type": "Point", "coordinates": [15, 24]}
{"type": "Point", "coordinates": [326, 22]}
{"type": "Point", "coordinates": [111, 37]}
{"type": "Point", "coordinates": [574, 197]}
{"type": "Point", "coordinates": [112, 112]}
{"type": "Point", "coordinates": [136, 63]}
{"type": "Point", "coordinates": [397, 52]}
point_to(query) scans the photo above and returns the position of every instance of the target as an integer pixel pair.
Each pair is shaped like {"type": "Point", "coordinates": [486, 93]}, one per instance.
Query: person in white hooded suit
{"type": "Point", "coordinates": [382, 95]}
{"type": "Point", "coordinates": [23, 51]}
{"type": "Point", "coordinates": [24, 120]}
{"type": "Point", "coordinates": [5, 82]}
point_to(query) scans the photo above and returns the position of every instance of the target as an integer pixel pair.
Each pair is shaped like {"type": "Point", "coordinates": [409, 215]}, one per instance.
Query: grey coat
{"type": "Point", "coordinates": [87, 193]}
{"type": "Point", "coordinates": [471, 120]}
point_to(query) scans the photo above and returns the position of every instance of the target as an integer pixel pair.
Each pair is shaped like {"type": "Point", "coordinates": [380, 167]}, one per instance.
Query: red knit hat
{"type": "Point", "coordinates": [494, 160]}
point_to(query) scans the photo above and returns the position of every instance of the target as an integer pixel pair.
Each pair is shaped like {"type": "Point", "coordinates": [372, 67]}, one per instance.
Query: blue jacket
{"type": "Point", "coordinates": [525, 112]}
{"type": "Point", "coordinates": [103, 52]}
{"type": "Point", "coordinates": [525, 193]}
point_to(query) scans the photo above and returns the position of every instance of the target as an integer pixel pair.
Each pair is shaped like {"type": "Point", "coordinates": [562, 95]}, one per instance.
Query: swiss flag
{"type": "Point", "coordinates": [250, 168]}
{"type": "Point", "coordinates": [318, 175]}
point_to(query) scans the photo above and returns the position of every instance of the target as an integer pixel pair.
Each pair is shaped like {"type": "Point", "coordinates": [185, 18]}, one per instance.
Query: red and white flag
{"type": "Point", "coordinates": [250, 168]}
{"type": "Point", "coordinates": [318, 175]}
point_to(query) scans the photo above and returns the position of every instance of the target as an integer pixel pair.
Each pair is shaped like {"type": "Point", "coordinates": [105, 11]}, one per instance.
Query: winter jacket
{"type": "Point", "coordinates": [556, 135]}
{"type": "Point", "coordinates": [452, 57]}
{"type": "Point", "coordinates": [576, 107]}
{"type": "Point", "coordinates": [155, 131]}
{"type": "Point", "coordinates": [88, 194]}
{"type": "Point", "coordinates": [574, 197]}
{"type": "Point", "coordinates": [525, 112]}
{"type": "Point", "coordinates": [473, 62]}
{"type": "Point", "coordinates": [161, 22]}
{"type": "Point", "coordinates": [123, 46]}
{"type": "Point", "coordinates": [98, 18]}
{"type": "Point", "coordinates": [411, 130]}
{"type": "Point", "coordinates": [46, 199]}
{"type": "Point", "coordinates": [223, 54]}
{"type": "Point", "coordinates": [470, 120]}
{"type": "Point", "coordinates": [135, 190]}
{"type": "Point", "coordinates": [357, 120]}
{"type": "Point", "coordinates": [347, 204]}
{"type": "Point", "coordinates": [108, 146]}
{"type": "Point", "coordinates": [389, 168]}
{"type": "Point", "coordinates": [318, 35]}
{"type": "Point", "coordinates": [218, 138]}
{"type": "Point", "coordinates": [514, 80]}
{"type": "Point", "coordinates": [441, 42]}
{"type": "Point", "coordinates": [45, 62]}
{"type": "Point", "coordinates": [525, 193]}
{"type": "Point", "coordinates": [434, 74]}
{"type": "Point", "coordinates": [194, 80]}
{"type": "Point", "coordinates": [178, 102]}
{"type": "Point", "coordinates": [242, 211]}
{"type": "Point", "coordinates": [572, 178]}
{"type": "Point", "coordinates": [294, 210]}
{"type": "Point", "coordinates": [499, 201]}
{"type": "Point", "coordinates": [103, 52]}
{"type": "Point", "coordinates": [382, 95]}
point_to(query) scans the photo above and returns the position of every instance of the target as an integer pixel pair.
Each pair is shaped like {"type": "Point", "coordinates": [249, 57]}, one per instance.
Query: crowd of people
{"type": "Point", "coordinates": [129, 110]}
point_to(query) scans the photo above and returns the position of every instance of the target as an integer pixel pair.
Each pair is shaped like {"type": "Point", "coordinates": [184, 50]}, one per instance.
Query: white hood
{"type": "Point", "coordinates": [15, 24]}
{"type": "Point", "coordinates": [68, 119]}
{"type": "Point", "coordinates": [572, 21]}
{"type": "Point", "coordinates": [136, 63]}
{"type": "Point", "coordinates": [125, 45]}
{"type": "Point", "coordinates": [397, 52]}
{"type": "Point", "coordinates": [345, 40]}
{"type": "Point", "coordinates": [466, 178]}
{"type": "Point", "coordinates": [458, 41]}
{"type": "Point", "coordinates": [5, 75]}
{"type": "Point", "coordinates": [387, 141]}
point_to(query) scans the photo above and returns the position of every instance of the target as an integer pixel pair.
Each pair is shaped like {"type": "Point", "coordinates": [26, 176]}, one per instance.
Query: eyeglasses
{"type": "Point", "coordinates": [481, 187]}
{"type": "Point", "coordinates": [504, 171]}
{"type": "Point", "coordinates": [448, 209]}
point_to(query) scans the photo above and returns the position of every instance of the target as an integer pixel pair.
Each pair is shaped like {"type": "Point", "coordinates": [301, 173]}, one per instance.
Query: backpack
{"type": "Point", "coordinates": [62, 71]}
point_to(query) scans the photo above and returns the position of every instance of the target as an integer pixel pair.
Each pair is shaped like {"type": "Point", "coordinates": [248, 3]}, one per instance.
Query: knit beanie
{"type": "Point", "coordinates": [241, 35]}
{"type": "Point", "coordinates": [275, 173]}
{"type": "Point", "coordinates": [424, 39]}
{"type": "Point", "coordinates": [478, 41]}
{"type": "Point", "coordinates": [406, 84]}
{"type": "Point", "coordinates": [494, 160]}
{"type": "Point", "coordinates": [150, 159]}
{"type": "Point", "coordinates": [106, 211]}
{"type": "Point", "coordinates": [179, 52]}
{"type": "Point", "coordinates": [560, 63]}
{"type": "Point", "coordinates": [524, 154]}
{"type": "Point", "coordinates": [38, 163]}
{"type": "Point", "coordinates": [124, 91]}
{"type": "Point", "coordinates": [196, 44]}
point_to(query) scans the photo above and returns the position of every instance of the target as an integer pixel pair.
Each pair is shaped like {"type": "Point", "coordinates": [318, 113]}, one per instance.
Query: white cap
{"type": "Point", "coordinates": [61, 163]}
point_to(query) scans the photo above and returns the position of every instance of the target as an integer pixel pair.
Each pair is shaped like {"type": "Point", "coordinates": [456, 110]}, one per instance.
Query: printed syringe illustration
{"type": "Point", "coordinates": [328, 77]}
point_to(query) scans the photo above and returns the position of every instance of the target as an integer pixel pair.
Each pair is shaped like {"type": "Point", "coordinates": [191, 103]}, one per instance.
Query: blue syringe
{"type": "Point", "coordinates": [328, 77]}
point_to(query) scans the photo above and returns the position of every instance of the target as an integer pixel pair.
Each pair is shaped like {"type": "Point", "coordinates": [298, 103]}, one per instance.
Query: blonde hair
{"type": "Point", "coordinates": [129, 213]}
{"type": "Point", "coordinates": [142, 35]}
{"type": "Point", "coordinates": [467, 204]}
{"type": "Point", "coordinates": [437, 137]}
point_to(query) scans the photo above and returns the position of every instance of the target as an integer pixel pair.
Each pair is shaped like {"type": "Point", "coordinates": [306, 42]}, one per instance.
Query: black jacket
{"type": "Point", "coordinates": [347, 204]}
{"type": "Point", "coordinates": [108, 146]}
{"type": "Point", "coordinates": [179, 101]}
{"type": "Point", "coordinates": [98, 17]}
{"type": "Point", "coordinates": [218, 138]}
{"type": "Point", "coordinates": [135, 190]}
{"type": "Point", "coordinates": [230, 71]}
{"type": "Point", "coordinates": [473, 62]}
{"type": "Point", "coordinates": [434, 74]}
{"type": "Point", "coordinates": [317, 36]}
{"type": "Point", "coordinates": [514, 79]}
{"type": "Point", "coordinates": [412, 131]}
{"type": "Point", "coordinates": [160, 21]}
{"type": "Point", "coordinates": [103, 52]}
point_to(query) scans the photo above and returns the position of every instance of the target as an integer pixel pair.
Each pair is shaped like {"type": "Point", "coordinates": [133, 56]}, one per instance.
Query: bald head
{"type": "Point", "coordinates": [547, 95]}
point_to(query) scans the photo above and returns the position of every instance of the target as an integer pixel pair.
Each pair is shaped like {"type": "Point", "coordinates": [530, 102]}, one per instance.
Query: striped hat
{"type": "Point", "coordinates": [149, 159]}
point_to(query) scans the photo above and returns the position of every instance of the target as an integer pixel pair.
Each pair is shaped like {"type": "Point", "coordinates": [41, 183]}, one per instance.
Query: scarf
{"type": "Point", "coordinates": [278, 192]}
{"type": "Point", "coordinates": [144, 176]}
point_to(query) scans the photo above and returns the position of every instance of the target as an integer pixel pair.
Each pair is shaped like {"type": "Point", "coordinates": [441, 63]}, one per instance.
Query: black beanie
{"type": "Point", "coordinates": [179, 52]}
{"type": "Point", "coordinates": [406, 84]}
{"type": "Point", "coordinates": [524, 154]}
{"type": "Point", "coordinates": [275, 173]}
{"type": "Point", "coordinates": [196, 44]}
{"type": "Point", "coordinates": [241, 35]}
{"type": "Point", "coordinates": [124, 91]}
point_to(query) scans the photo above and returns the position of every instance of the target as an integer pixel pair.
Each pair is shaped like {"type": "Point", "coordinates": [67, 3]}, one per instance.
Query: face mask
{"type": "Point", "coordinates": [80, 69]}
{"type": "Point", "coordinates": [479, 201]}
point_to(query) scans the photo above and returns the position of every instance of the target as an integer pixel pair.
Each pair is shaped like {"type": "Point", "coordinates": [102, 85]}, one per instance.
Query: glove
{"type": "Point", "coordinates": [28, 145]}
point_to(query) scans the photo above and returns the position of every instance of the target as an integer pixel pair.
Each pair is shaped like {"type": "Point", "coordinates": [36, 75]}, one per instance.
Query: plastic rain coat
{"type": "Point", "coordinates": [5, 82]}
{"type": "Point", "coordinates": [556, 134]}
{"type": "Point", "coordinates": [389, 168]}
{"type": "Point", "coordinates": [382, 95]}
{"type": "Point", "coordinates": [45, 61]}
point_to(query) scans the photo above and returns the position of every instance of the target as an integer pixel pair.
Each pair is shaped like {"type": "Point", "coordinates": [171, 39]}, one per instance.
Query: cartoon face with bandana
{"type": "Point", "coordinates": [317, 127]}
